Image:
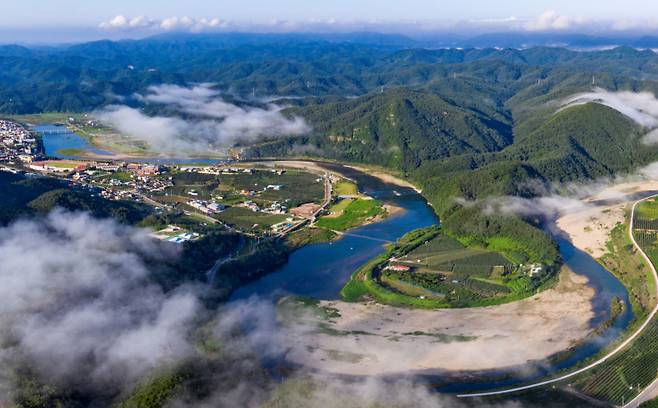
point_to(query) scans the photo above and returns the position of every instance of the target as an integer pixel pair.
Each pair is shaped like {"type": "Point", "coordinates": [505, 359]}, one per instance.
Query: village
{"type": "Point", "coordinates": [17, 143]}
{"type": "Point", "coordinates": [250, 199]}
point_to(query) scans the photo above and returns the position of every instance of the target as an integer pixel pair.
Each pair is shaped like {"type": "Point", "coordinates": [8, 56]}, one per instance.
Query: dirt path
{"type": "Point", "coordinates": [374, 339]}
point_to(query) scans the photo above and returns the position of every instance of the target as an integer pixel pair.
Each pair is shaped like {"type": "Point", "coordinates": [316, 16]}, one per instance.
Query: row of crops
{"type": "Point", "coordinates": [635, 368]}
{"type": "Point", "coordinates": [625, 375]}
{"type": "Point", "coordinates": [642, 224]}
{"type": "Point", "coordinates": [445, 254]}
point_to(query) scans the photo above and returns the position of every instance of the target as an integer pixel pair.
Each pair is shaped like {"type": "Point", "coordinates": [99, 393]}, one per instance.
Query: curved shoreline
{"type": "Point", "coordinates": [545, 343]}
{"type": "Point", "coordinates": [608, 355]}
{"type": "Point", "coordinates": [431, 342]}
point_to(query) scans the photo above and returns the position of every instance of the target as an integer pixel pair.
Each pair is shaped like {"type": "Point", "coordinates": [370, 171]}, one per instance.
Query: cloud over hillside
{"type": "Point", "coordinates": [205, 122]}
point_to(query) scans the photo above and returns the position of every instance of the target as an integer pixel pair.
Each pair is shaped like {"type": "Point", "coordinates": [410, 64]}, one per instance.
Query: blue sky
{"type": "Point", "coordinates": [85, 12]}
{"type": "Point", "coordinates": [38, 20]}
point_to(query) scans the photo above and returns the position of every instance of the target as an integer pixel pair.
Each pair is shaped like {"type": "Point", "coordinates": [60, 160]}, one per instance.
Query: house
{"type": "Point", "coordinates": [536, 269]}
{"type": "Point", "coordinates": [398, 268]}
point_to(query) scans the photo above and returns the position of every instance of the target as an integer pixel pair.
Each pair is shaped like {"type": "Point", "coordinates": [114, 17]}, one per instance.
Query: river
{"type": "Point", "coordinates": [321, 270]}
{"type": "Point", "coordinates": [57, 139]}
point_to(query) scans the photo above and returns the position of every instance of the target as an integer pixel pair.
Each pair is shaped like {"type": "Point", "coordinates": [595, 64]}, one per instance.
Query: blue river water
{"type": "Point", "coordinates": [57, 138]}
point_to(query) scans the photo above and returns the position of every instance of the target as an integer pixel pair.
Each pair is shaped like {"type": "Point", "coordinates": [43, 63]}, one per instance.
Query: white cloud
{"type": "Point", "coordinates": [548, 21]}
{"type": "Point", "coordinates": [78, 304]}
{"type": "Point", "coordinates": [121, 22]}
{"type": "Point", "coordinates": [641, 107]}
{"type": "Point", "coordinates": [215, 125]}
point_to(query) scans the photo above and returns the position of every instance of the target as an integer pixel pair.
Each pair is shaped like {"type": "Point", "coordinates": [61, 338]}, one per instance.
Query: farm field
{"type": "Point", "coordinates": [296, 187]}
{"type": "Point", "coordinates": [624, 375]}
{"type": "Point", "coordinates": [431, 270]}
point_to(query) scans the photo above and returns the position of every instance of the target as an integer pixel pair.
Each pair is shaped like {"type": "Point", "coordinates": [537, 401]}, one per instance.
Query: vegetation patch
{"type": "Point", "coordinates": [346, 188]}
{"type": "Point", "coordinates": [353, 215]}
{"type": "Point", "coordinates": [156, 392]}
{"type": "Point", "coordinates": [442, 337]}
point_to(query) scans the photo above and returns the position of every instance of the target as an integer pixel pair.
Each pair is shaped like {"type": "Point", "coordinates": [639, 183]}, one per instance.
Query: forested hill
{"type": "Point", "coordinates": [85, 76]}
{"type": "Point", "coordinates": [404, 128]}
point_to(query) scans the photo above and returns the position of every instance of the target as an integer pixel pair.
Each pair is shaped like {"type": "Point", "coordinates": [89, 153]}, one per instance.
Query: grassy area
{"type": "Point", "coordinates": [346, 188]}
{"type": "Point", "coordinates": [156, 392]}
{"type": "Point", "coordinates": [442, 273]}
{"type": "Point", "coordinates": [623, 260]}
{"type": "Point", "coordinates": [337, 209]}
{"type": "Point", "coordinates": [57, 118]}
{"type": "Point", "coordinates": [63, 164]}
{"type": "Point", "coordinates": [71, 152]}
{"type": "Point", "coordinates": [247, 220]}
{"type": "Point", "coordinates": [353, 215]}
{"type": "Point", "coordinates": [308, 236]}
{"type": "Point", "coordinates": [647, 210]}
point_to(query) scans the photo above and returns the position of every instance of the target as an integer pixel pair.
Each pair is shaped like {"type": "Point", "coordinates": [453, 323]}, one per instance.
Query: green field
{"type": "Point", "coordinates": [231, 190]}
{"type": "Point", "coordinates": [445, 254]}
{"type": "Point", "coordinates": [346, 188]}
{"type": "Point", "coordinates": [647, 210]}
{"type": "Point", "coordinates": [338, 208]}
{"type": "Point", "coordinates": [354, 214]}
{"type": "Point", "coordinates": [297, 187]}
{"type": "Point", "coordinates": [57, 118]}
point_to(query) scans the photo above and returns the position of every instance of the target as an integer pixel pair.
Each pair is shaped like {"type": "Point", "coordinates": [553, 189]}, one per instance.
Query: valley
{"type": "Point", "coordinates": [243, 219]}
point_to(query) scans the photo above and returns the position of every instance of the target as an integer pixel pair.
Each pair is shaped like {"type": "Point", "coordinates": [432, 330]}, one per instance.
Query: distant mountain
{"type": "Point", "coordinates": [85, 76]}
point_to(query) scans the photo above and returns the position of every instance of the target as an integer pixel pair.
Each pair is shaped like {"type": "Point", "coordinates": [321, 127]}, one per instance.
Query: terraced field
{"type": "Point", "coordinates": [444, 268]}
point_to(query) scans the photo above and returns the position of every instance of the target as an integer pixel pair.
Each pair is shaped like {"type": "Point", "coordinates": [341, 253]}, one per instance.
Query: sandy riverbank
{"type": "Point", "coordinates": [385, 177]}
{"type": "Point", "coordinates": [311, 165]}
{"type": "Point", "coordinates": [589, 227]}
{"type": "Point", "coordinates": [375, 339]}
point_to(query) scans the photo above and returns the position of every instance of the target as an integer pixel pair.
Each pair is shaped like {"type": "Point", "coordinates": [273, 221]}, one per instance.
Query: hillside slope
{"type": "Point", "coordinates": [403, 128]}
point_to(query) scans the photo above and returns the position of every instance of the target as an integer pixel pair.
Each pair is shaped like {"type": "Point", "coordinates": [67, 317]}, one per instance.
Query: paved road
{"type": "Point", "coordinates": [647, 394]}
{"type": "Point", "coordinates": [629, 340]}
